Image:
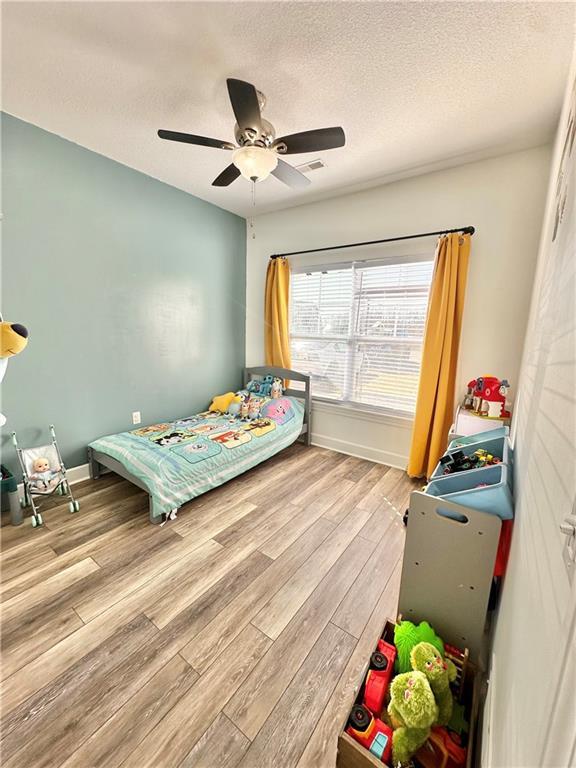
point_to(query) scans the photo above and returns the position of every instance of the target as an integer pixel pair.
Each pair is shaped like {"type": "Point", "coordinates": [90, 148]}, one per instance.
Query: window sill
{"type": "Point", "coordinates": [362, 413]}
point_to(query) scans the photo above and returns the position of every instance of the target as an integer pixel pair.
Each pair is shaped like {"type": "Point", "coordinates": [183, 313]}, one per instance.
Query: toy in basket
{"type": "Point", "coordinates": [44, 474]}
{"type": "Point", "coordinates": [418, 718]}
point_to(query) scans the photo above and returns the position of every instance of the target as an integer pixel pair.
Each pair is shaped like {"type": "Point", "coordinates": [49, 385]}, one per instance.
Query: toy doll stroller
{"type": "Point", "coordinates": [44, 474]}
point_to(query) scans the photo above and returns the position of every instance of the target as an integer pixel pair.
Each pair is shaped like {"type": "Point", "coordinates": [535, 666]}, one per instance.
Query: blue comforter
{"type": "Point", "coordinates": [182, 459]}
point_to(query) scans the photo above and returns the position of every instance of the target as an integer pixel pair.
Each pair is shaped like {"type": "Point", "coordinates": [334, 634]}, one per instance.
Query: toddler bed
{"type": "Point", "coordinates": [175, 461]}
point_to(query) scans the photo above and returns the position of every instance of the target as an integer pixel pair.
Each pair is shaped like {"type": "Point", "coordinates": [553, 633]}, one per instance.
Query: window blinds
{"type": "Point", "coordinates": [357, 330]}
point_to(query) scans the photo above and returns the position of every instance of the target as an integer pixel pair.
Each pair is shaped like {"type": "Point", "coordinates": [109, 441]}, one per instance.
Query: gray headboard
{"type": "Point", "coordinates": [303, 394]}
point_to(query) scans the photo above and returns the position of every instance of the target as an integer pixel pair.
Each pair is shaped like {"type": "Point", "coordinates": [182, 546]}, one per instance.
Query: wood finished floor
{"type": "Point", "coordinates": [233, 636]}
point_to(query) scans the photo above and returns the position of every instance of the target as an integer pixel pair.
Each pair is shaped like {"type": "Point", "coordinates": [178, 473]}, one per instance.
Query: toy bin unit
{"type": "Point", "coordinates": [448, 564]}
{"type": "Point", "coordinates": [452, 544]}
{"type": "Point", "coordinates": [486, 490]}
{"type": "Point", "coordinates": [496, 446]}
{"type": "Point", "coordinates": [466, 440]}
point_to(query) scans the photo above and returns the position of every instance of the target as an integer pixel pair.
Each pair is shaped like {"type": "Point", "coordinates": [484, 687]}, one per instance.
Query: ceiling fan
{"type": "Point", "coordinates": [257, 153]}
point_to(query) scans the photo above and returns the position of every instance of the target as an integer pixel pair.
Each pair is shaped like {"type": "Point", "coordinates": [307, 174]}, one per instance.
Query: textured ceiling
{"type": "Point", "coordinates": [415, 85]}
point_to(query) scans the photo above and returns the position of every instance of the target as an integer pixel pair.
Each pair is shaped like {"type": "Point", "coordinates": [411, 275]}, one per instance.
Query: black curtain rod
{"type": "Point", "coordinates": [463, 230]}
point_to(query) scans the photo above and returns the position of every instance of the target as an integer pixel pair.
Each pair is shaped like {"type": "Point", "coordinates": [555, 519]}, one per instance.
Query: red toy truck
{"type": "Point", "coordinates": [371, 733]}
{"type": "Point", "coordinates": [379, 676]}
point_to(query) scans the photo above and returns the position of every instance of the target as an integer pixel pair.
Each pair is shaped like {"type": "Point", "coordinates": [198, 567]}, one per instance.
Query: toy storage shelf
{"type": "Point", "coordinates": [448, 567]}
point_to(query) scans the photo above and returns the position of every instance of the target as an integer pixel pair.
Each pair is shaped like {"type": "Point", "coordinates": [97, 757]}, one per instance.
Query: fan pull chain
{"type": "Point", "coordinates": [253, 193]}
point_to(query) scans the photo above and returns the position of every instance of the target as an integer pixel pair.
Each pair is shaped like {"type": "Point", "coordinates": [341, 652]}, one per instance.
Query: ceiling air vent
{"type": "Point", "coordinates": [313, 165]}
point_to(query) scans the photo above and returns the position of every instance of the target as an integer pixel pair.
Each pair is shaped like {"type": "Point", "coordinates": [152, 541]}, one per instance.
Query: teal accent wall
{"type": "Point", "coordinates": [133, 292]}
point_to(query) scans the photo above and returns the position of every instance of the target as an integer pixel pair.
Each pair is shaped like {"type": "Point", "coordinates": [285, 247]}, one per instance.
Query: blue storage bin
{"type": "Point", "coordinates": [497, 446]}
{"type": "Point", "coordinates": [463, 442]}
{"type": "Point", "coordinates": [494, 497]}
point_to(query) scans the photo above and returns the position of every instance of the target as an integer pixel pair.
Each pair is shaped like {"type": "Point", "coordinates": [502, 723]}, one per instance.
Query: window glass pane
{"type": "Point", "coordinates": [324, 361]}
{"type": "Point", "coordinates": [393, 300]}
{"type": "Point", "coordinates": [386, 374]}
{"type": "Point", "coordinates": [320, 303]}
{"type": "Point", "coordinates": [358, 330]}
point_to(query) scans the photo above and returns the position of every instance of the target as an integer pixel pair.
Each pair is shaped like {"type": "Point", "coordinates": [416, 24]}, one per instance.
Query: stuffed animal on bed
{"type": "Point", "coordinates": [254, 408]}
{"type": "Point", "coordinates": [43, 478]}
{"type": "Point", "coordinates": [222, 402]}
{"type": "Point", "coordinates": [277, 389]}
{"type": "Point", "coordinates": [235, 405]}
{"type": "Point", "coordinates": [279, 410]}
{"type": "Point", "coordinates": [260, 387]}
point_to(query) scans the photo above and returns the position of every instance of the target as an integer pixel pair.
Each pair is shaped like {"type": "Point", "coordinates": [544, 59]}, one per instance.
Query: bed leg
{"type": "Point", "coordinates": [94, 466]}
{"type": "Point", "coordinates": [308, 415]}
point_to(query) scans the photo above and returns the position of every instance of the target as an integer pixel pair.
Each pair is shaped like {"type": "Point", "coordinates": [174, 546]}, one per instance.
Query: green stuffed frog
{"type": "Point", "coordinates": [412, 711]}
{"type": "Point", "coordinates": [407, 635]}
{"type": "Point", "coordinates": [440, 673]}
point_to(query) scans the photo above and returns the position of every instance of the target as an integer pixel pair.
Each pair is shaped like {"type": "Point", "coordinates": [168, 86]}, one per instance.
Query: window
{"type": "Point", "coordinates": [357, 330]}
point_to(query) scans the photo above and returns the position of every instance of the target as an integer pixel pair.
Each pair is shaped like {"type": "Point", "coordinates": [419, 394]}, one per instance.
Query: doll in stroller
{"type": "Point", "coordinates": [43, 474]}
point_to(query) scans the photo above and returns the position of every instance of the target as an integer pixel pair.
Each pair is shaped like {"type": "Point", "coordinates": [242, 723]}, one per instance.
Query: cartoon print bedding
{"type": "Point", "coordinates": [182, 459]}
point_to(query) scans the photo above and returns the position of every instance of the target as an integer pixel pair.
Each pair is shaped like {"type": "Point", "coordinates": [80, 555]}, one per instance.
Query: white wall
{"type": "Point", "coordinates": [530, 718]}
{"type": "Point", "coordinates": [502, 197]}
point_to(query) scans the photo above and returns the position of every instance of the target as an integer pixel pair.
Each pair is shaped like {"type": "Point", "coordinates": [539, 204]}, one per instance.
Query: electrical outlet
{"type": "Point", "coordinates": [136, 417]}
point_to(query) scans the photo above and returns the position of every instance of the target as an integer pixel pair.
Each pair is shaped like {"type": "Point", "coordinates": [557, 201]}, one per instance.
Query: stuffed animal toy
{"type": "Point", "coordinates": [277, 389]}
{"type": "Point", "coordinates": [43, 478]}
{"type": "Point", "coordinates": [221, 402]}
{"type": "Point", "coordinates": [13, 339]}
{"type": "Point", "coordinates": [261, 387]}
{"type": "Point", "coordinates": [412, 711]}
{"type": "Point", "coordinates": [439, 673]}
{"type": "Point", "coordinates": [244, 410]}
{"type": "Point", "coordinates": [254, 408]}
{"type": "Point", "coordinates": [234, 407]}
{"type": "Point", "coordinates": [407, 635]}
{"type": "Point", "coordinates": [279, 410]}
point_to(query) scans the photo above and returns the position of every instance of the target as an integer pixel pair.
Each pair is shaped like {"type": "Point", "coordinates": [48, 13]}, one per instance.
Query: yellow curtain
{"type": "Point", "coordinates": [277, 297]}
{"type": "Point", "coordinates": [435, 405]}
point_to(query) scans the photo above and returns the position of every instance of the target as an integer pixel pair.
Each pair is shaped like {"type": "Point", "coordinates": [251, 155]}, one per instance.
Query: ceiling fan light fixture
{"type": "Point", "coordinates": [257, 155]}
{"type": "Point", "coordinates": [255, 163]}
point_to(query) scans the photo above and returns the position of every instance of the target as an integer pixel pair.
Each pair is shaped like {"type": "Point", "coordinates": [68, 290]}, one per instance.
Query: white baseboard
{"type": "Point", "coordinates": [396, 460]}
{"type": "Point", "coordinates": [74, 475]}
{"type": "Point", "coordinates": [79, 473]}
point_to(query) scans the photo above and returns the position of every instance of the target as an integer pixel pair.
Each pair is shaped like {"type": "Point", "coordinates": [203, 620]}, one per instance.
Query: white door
{"type": "Point", "coordinates": [531, 713]}
{"type": "Point", "coordinates": [560, 742]}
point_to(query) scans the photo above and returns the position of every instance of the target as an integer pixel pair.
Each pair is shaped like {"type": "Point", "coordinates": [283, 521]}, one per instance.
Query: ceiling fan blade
{"type": "Point", "coordinates": [244, 100]}
{"type": "Point", "coordinates": [227, 176]}
{"type": "Point", "coordinates": [190, 138]}
{"type": "Point", "coordinates": [290, 176]}
{"type": "Point", "coordinates": [310, 141]}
